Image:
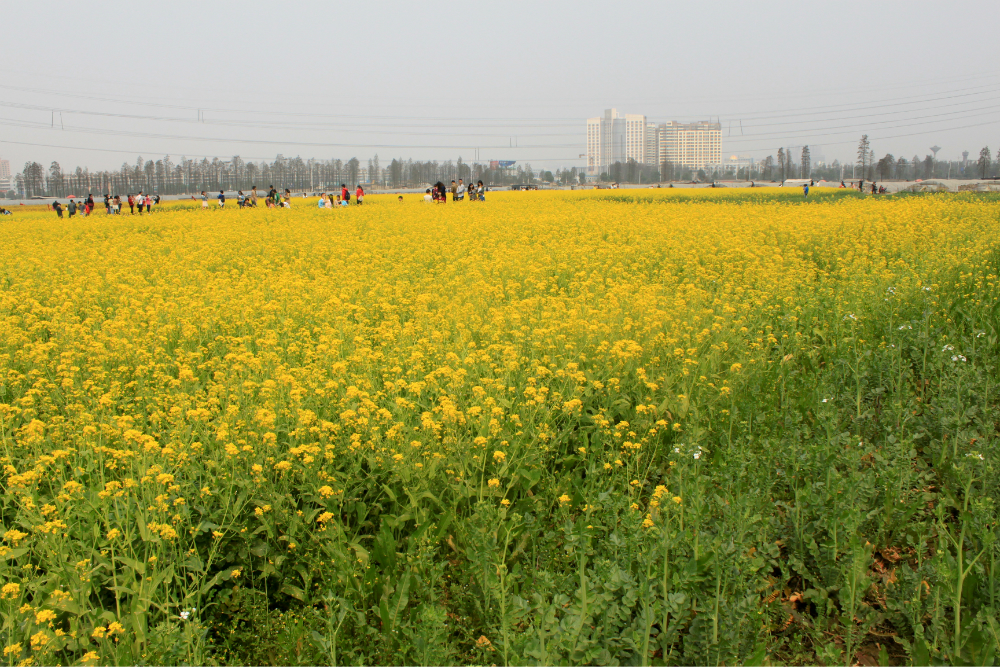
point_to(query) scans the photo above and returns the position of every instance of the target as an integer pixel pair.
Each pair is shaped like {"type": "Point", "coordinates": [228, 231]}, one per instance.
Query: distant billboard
{"type": "Point", "coordinates": [502, 164]}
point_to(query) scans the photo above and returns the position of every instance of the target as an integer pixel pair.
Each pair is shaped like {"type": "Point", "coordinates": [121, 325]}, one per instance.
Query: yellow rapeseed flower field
{"type": "Point", "coordinates": [382, 433]}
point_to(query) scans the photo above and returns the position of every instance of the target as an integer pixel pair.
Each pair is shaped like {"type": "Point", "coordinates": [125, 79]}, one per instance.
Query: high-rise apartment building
{"type": "Point", "coordinates": [6, 178]}
{"type": "Point", "coordinates": [613, 138]}
{"type": "Point", "coordinates": [652, 145]}
{"type": "Point", "coordinates": [605, 141]}
{"type": "Point", "coordinates": [691, 145]}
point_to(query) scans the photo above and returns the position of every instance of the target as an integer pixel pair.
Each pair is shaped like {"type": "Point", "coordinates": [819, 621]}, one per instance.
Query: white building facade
{"type": "Point", "coordinates": [691, 145]}
{"type": "Point", "coordinates": [6, 178]}
{"type": "Point", "coordinates": [615, 138]}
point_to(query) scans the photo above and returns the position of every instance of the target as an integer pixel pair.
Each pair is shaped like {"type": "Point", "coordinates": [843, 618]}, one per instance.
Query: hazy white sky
{"type": "Point", "coordinates": [99, 84]}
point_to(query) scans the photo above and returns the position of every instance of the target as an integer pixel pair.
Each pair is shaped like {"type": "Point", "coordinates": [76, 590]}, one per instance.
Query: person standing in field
{"type": "Point", "coordinates": [71, 207]}
{"type": "Point", "coordinates": [222, 199]}
{"type": "Point", "coordinates": [57, 207]}
{"type": "Point", "coordinates": [460, 192]}
{"type": "Point", "coordinates": [118, 204]}
{"type": "Point", "coordinates": [454, 191]}
{"type": "Point", "coordinates": [481, 191]}
{"type": "Point", "coordinates": [344, 194]}
{"type": "Point", "coordinates": [131, 203]}
{"type": "Point", "coordinates": [360, 195]}
{"type": "Point", "coordinates": [253, 196]}
{"type": "Point", "coordinates": [805, 190]}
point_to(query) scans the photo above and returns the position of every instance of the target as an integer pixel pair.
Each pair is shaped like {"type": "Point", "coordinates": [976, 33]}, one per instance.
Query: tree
{"type": "Point", "coordinates": [985, 161]}
{"type": "Point", "coordinates": [374, 170]}
{"type": "Point", "coordinates": [34, 179]}
{"type": "Point", "coordinates": [352, 170]}
{"type": "Point", "coordinates": [781, 162]}
{"type": "Point", "coordinates": [766, 165]}
{"type": "Point", "coordinates": [901, 168]}
{"type": "Point", "coordinates": [55, 179]}
{"type": "Point", "coordinates": [863, 154]}
{"type": "Point", "coordinates": [806, 162]}
{"type": "Point", "coordinates": [885, 166]}
{"type": "Point", "coordinates": [928, 167]}
{"type": "Point", "coordinates": [667, 171]}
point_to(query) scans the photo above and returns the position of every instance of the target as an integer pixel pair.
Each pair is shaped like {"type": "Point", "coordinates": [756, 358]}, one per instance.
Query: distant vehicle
{"type": "Point", "coordinates": [522, 187]}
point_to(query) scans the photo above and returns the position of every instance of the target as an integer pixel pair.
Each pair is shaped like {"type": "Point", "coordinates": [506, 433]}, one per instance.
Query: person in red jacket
{"type": "Point", "coordinates": [360, 195]}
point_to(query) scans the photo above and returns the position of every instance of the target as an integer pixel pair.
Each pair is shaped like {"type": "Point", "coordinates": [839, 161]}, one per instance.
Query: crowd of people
{"type": "Point", "coordinates": [330, 200]}
{"type": "Point", "coordinates": [112, 205]}
{"type": "Point", "coordinates": [860, 187]}
{"type": "Point", "coordinates": [438, 194]}
{"type": "Point", "coordinates": [274, 199]}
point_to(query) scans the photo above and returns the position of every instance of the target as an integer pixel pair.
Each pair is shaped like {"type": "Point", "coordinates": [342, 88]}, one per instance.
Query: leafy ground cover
{"type": "Point", "coordinates": [563, 427]}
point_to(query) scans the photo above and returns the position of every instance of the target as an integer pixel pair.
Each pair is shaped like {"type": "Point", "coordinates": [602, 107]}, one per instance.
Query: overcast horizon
{"type": "Point", "coordinates": [517, 82]}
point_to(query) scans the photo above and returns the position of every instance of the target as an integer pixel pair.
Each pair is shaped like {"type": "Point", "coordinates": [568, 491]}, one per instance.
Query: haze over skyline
{"type": "Point", "coordinates": [442, 80]}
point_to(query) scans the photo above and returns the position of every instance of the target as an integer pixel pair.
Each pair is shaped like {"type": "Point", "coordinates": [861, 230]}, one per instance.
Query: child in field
{"type": "Point", "coordinates": [204, 201]}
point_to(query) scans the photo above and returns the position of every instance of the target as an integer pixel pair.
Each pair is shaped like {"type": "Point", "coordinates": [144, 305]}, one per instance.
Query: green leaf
{"type": "Point", "coordinates": [294, 591]}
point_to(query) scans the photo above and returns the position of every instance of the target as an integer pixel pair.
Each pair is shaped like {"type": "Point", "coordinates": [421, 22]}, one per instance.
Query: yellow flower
{"type": "Point", "coordinates": [115, 626]}
{"type": "Point", "coordinates": [325, 491]}
{"type": "Point", "coordinates": [564, 498]}
{"type": "Point", "coordinates": [90, 656]}
{"type": "Point", "coordinates": [505, 502]}
{"type": "Point", "coordinates": [113, 533]}
{"type": "Point", "coordinates": [282, 466]}
{"type": "Point", "coordinates": [12, 648]}
{"type": "Point", "coordinates": [607, 466]}
{"type": "Point", "coordinates": [324, 517]}
{"type": "Point", "coordinates": [677, 499]}
{"type": "Point", "coordinates": [44, 616]}
{"type": "Point", "coordinates": [235, 574]}
{"type": "Point", "coordinates": [499, 456]}
{"type": "Point", "coordinates": [99, 632]}
{"type": "Point", "coordinates": [11, 590]}
{"type": "Point", "coordinates": [14, 535]}
{"type": "Point", "coordinates": [493, 483]}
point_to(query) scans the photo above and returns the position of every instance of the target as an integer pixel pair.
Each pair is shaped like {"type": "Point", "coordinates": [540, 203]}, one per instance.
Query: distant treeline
{"type": "Point", "coordinates": [165, 176]}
